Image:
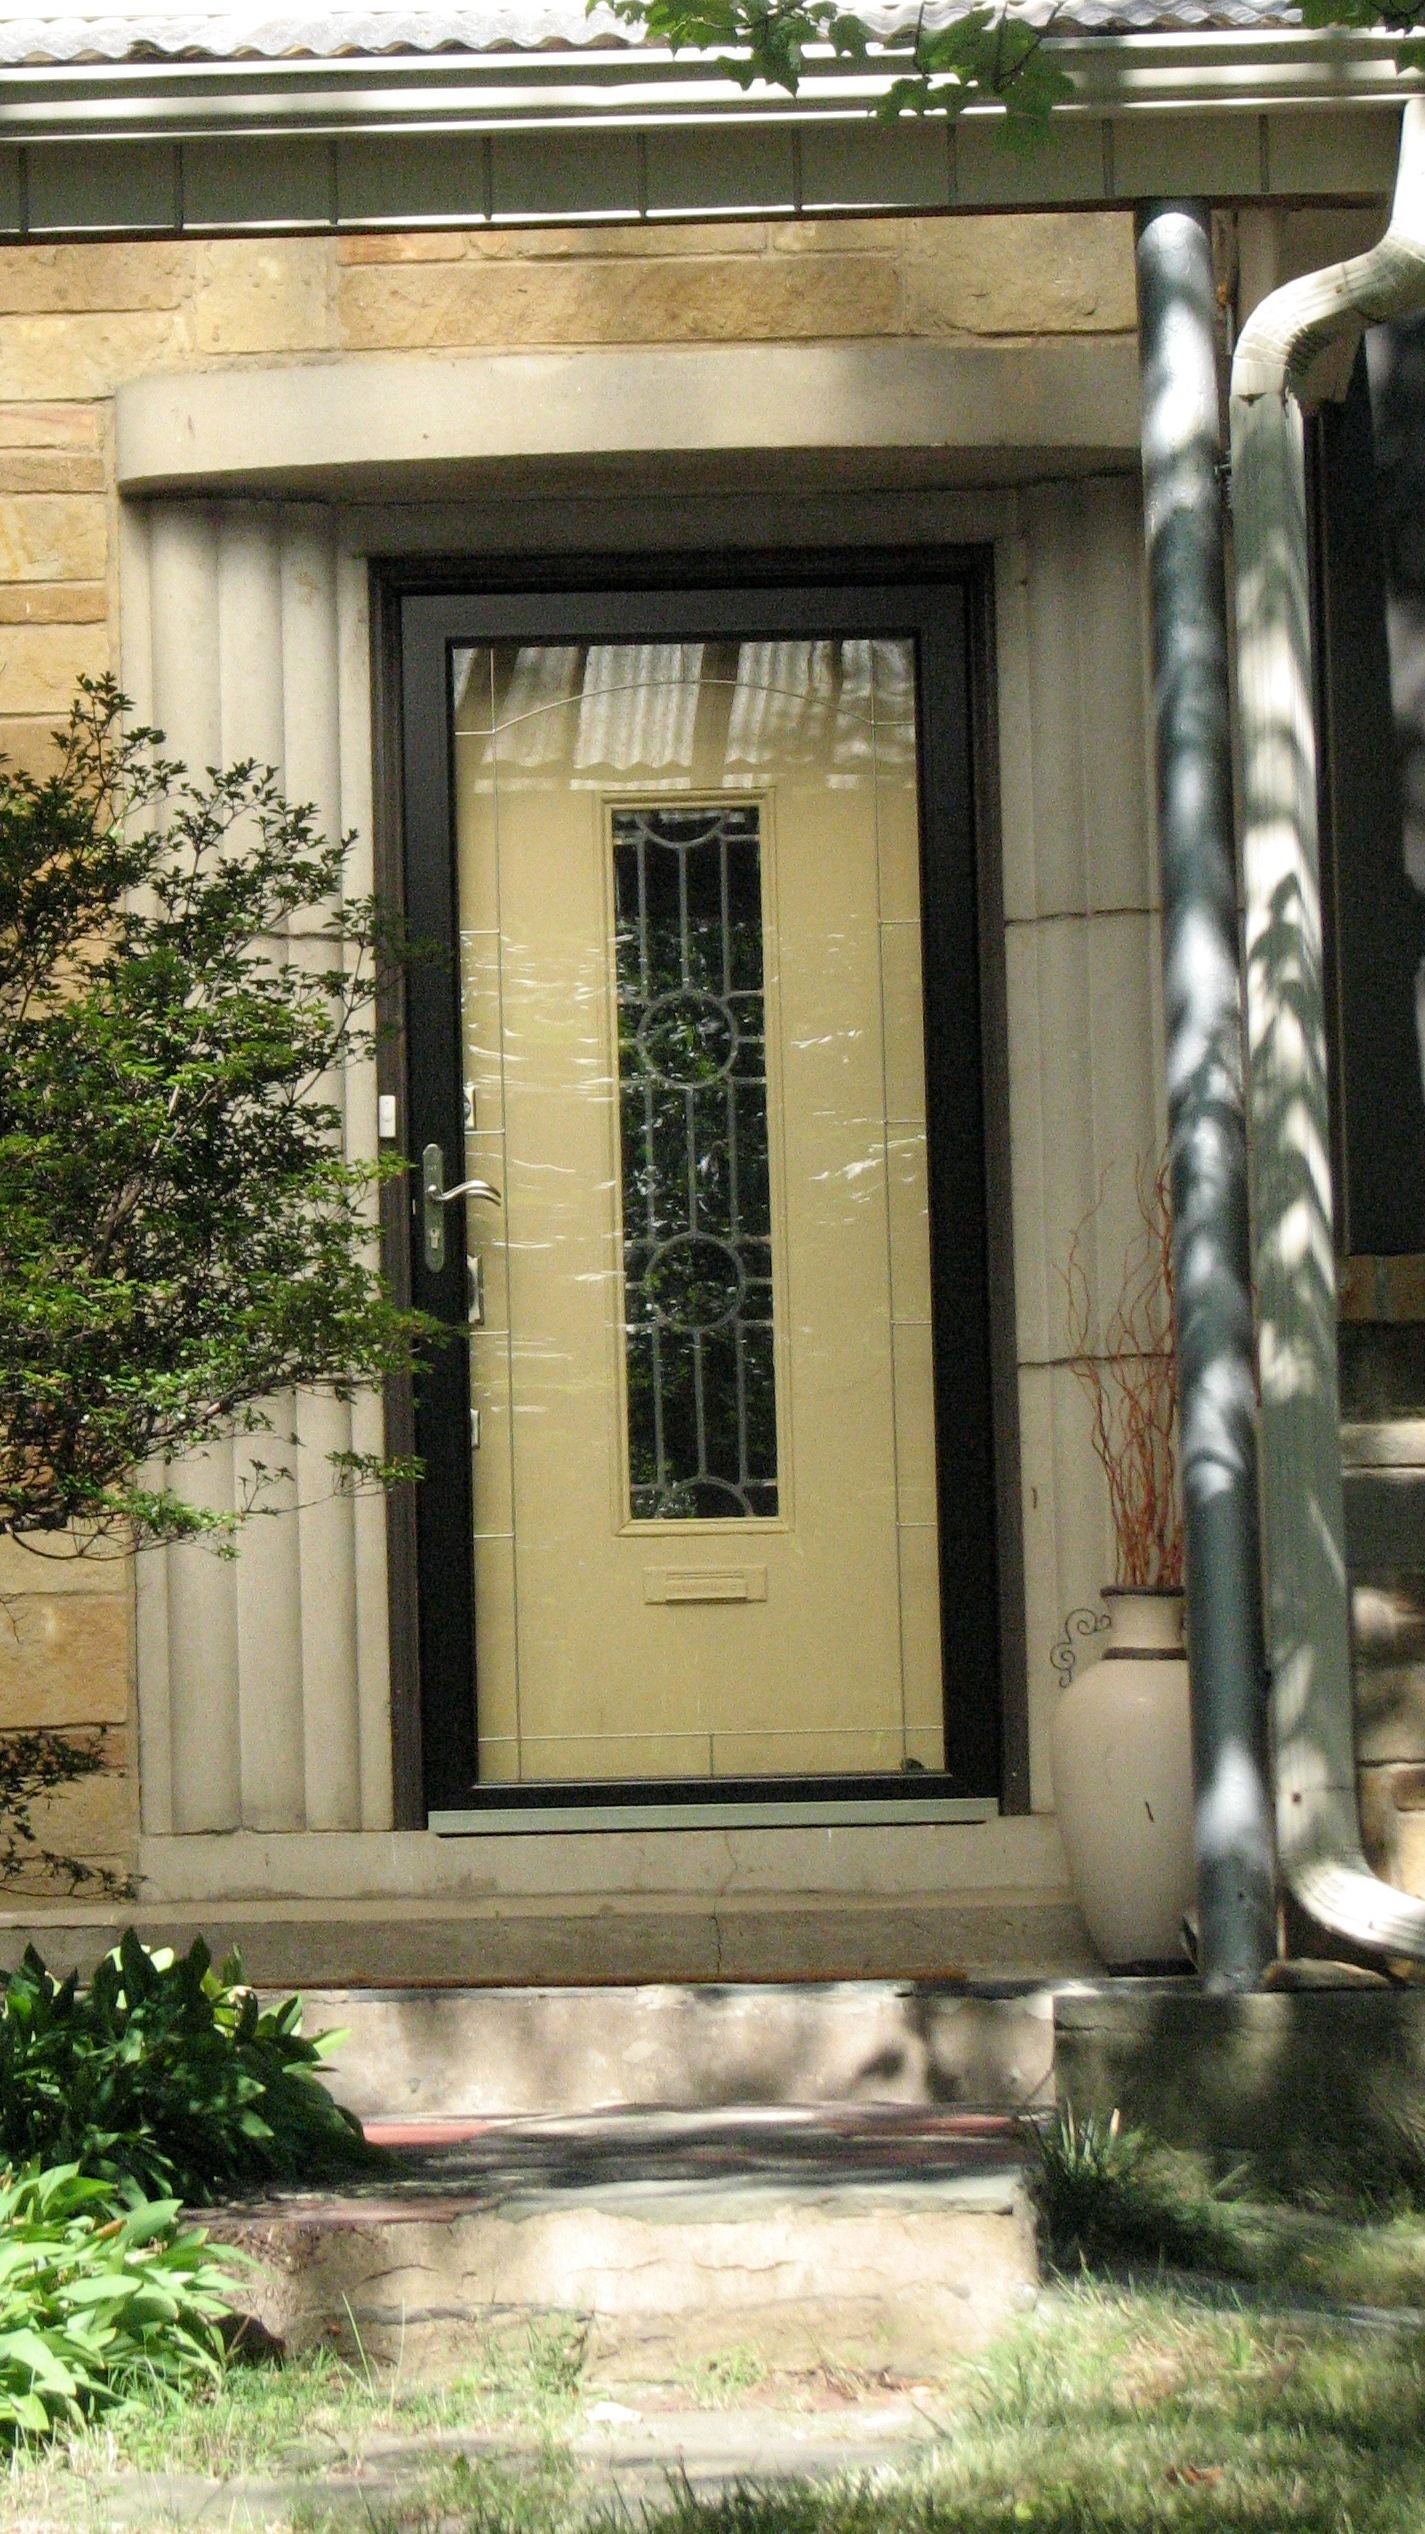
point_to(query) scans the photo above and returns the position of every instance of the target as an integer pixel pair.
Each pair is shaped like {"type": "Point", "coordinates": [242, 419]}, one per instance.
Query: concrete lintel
{"type": "Point", "coordinates": [423, 427]}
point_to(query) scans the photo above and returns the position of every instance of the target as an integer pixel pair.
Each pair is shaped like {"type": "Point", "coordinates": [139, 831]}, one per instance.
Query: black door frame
{"type": "Point", "coordinates": [942, 600]}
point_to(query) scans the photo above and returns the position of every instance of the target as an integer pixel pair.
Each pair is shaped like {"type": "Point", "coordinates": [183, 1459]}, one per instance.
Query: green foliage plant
{"type": "Point", "coordinates": [1404, 20]}
{"type": "Point", "coordinates": [166, 2075]}
{"type": "Point", "coordinates": [1104, 2192]}
{"type": "Point", "coordinates": [97, 2302]}
{"type": "Point", "coordinates": [182, 1238]}
{"type": "Point", "coordinates": [991, 55]}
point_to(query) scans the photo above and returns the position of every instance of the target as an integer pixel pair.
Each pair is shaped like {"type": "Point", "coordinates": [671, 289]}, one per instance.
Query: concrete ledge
{"type": "Point", "coordinates": [575, 1945]}
{"type": "Point", "coordinates": [510, 2053]}
{"type": "Point", "coordinates": [411, 426]}
{"type": "Point", "coordinates": [1326, 2084]}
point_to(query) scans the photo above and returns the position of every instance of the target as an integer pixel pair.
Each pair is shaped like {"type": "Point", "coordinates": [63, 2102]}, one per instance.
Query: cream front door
{"type": "Point", "coordinates": [704, 1478]}
{"type": "Point", "coordinates": [702, 1387]}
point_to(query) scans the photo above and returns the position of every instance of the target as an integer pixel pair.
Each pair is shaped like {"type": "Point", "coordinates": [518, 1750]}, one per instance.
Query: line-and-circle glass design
{"type": "Point", "coordinates": [696, 1192]}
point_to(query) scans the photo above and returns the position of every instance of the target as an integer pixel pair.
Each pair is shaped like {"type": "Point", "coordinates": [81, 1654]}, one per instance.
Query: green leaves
{"type": "Point", "coordinates": [95, 2301]}
{"type": "Point", "coordinates": [991, 55]}
{"type": "Point", "coordinates": [182, 1238]}
{"type": "Point", "coordinates": [166, 2076]}
{"type": "Point", "coordinates": [1401, 21]}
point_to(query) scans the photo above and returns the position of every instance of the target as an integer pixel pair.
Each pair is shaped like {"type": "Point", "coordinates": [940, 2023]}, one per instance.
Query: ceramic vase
{"type": "Point", "coordinates": [1122, 1752]}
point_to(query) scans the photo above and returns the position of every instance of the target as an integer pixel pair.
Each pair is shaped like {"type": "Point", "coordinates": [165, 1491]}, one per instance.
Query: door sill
{"type": "Point", "coordinates": [505, 1818]}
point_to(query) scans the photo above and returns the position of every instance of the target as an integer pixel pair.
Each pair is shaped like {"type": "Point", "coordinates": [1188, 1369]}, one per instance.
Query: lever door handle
{"type": "Point", "coordinates": [480, 1188]}
{"type": "Point", "coordinates": [435, 1197]}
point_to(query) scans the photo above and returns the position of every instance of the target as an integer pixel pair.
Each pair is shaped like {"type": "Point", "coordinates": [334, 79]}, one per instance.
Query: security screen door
{"type": "Point", "coordinates": [692, 1263]}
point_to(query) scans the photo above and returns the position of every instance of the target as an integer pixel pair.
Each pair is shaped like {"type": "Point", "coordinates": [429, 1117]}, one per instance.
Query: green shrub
{"type": "Point", "coordinates": [1108, 2193]}
{"type": "Point", "coordinates": [166, 2073]}
{"type": "Point", "coordinates": [95, 2301]}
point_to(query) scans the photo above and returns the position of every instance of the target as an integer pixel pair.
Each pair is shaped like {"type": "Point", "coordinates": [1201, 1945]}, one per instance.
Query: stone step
{"type": "Point", "coordinates": [460, 2053]}
{"type": "Point", "coordinates": [879, 2240]}
{"type": "Point", "coordinates": [367, 1942]}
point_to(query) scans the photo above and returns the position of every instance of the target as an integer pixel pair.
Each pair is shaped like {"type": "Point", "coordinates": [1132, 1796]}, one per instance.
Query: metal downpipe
{"type": "Point", "coordinates": [1182, 496]}
{"type": "Point", "coordinates": [1298, 346]}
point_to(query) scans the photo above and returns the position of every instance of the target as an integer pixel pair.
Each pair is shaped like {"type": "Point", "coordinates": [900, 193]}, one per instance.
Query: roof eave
{"type": "Point", "coordinates": [1236, 72]}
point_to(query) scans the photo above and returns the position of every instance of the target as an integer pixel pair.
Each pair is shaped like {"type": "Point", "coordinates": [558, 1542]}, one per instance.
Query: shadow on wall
{"type": "Point", "coordinates": [527, 2053]}
{"type": "Point", "coordinates": [1371, 573]}
{"type": "Point", "coordinates": [1324, 2089]}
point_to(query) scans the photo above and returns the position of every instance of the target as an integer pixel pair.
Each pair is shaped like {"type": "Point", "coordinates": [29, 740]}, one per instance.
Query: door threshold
{"type": "Point", "coordinates": [817, 1812]}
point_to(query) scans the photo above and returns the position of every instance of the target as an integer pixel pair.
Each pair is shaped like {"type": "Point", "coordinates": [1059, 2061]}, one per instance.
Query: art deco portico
{"type": "Point", "coordinates": [696, 541]}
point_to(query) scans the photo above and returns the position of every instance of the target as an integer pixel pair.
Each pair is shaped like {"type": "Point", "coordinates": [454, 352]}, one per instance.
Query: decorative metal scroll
{"type": "Point", "coordinates": [1078, 1625]}
{"type": "Point", "coordinates": [697, 1210]}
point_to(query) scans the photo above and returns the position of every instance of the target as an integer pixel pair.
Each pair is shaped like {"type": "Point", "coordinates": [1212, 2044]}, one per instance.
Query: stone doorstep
{"type": "Point", "coordinates": [432, 2053]}
{"type": "Point", "coordinates": [284, 1943]}
{"type": "Point", "coordinates": [876, 2242]}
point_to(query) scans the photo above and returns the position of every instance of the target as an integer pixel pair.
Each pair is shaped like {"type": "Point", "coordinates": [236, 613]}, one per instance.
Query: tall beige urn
{"type": "Point", "coordinates": [1122, 1749]}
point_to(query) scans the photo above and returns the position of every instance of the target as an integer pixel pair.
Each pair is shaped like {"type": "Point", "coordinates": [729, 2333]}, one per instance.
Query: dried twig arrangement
{"type": "Point", "coordinates": [1131, 1384]}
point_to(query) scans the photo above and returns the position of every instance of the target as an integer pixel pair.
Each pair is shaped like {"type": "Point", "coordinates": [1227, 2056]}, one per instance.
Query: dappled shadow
{"type": "Point", "coordinates": [1303, 1506]}
{"type": "Point", "coordinates": [1324, 2090]}
{"type": "Point", "coordinates": [788, 2152]}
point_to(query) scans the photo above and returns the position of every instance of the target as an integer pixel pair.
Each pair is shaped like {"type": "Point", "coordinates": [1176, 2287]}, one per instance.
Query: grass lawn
{"type": "Point", "coordinates": [1109, 2409]}
{"type": "Point", "coordinates": [1131, 2399]}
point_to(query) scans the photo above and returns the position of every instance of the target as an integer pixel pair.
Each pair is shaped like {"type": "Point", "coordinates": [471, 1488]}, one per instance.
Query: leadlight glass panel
{"type": "Point", "coordinates": [697, 1217]}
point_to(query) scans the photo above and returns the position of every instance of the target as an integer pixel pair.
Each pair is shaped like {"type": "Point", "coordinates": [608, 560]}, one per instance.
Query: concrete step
{"type": "Point", "coordinates": [372, 1943]}
{"type": "Point", "coordinates": [525, 2053]}
{"type": "Point", "coordinates": [878, 2240]}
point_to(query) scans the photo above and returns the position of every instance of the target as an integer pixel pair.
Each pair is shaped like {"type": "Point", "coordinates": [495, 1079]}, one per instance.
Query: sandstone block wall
{"type": "Point", "coordinates": [77, 321]}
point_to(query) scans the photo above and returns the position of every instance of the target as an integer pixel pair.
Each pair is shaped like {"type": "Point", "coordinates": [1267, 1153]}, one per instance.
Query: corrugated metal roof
{"type": "Point", "coordinates": [58, 36]}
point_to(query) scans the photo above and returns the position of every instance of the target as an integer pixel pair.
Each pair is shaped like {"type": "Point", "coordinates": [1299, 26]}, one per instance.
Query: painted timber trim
{"type": "Point", "coordinates": [228, 148]}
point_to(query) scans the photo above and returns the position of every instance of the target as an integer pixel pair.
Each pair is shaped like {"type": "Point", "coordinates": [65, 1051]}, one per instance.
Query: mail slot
{"type": "Point", "coordinates": [705, 1583]}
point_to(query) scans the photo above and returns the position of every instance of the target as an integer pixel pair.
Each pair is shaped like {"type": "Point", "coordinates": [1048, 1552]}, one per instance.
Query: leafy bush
{"type": "Point", "coordinates": [181, 1237]}
{"type": "Point", "coordinates": [168, 2074]}
{"type": "Point", "coordinates": [96, 2300]}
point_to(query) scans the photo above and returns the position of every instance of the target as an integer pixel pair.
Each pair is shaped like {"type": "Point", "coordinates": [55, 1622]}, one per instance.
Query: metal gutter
{"type": "Point", "coordinates": [1295, 349]}
{"type": "Point", "coordinates": [569, 135]}
{"type": "Point", "coordinates": [598, 87]}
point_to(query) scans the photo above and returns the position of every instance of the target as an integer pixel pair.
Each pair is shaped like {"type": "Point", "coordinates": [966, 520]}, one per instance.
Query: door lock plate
{"type": "Point", "coordinates": [435, 1197]}
{"type": "Point", "coordinates": [433, 1207]}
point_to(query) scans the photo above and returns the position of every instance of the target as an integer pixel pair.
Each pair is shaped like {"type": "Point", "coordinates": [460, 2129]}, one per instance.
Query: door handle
{"type": "Point", "coordinates": [435, 1197]}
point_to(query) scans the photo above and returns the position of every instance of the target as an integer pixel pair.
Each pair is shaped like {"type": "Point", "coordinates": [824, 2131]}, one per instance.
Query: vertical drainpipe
{"type": "Point", "coordinates": [1294, 349]}
{"type": "Point", "coordinates": [1182, 496]}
